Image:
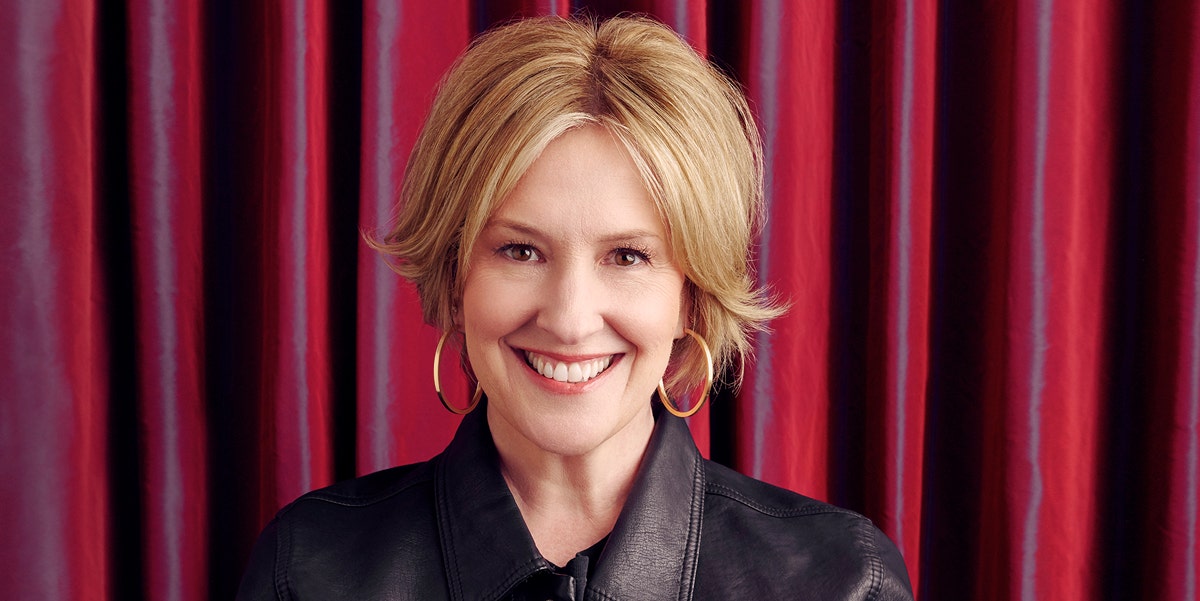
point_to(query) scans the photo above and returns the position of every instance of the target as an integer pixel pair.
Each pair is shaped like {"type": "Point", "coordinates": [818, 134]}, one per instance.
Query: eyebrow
{"type": "Point", "coordinates": [531, 231]}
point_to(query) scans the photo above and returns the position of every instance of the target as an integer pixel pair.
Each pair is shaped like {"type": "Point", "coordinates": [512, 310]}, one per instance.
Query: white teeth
{"type": "Point", "coordinates": [567, 372]}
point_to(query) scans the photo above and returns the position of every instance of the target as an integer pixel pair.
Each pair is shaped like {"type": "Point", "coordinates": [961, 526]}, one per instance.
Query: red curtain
{"type": "Point", "coordinates": [985, 217]}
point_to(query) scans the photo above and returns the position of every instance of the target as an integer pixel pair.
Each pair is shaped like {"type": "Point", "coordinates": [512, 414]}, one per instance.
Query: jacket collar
{"type": "Point", "coordinates": [654, 547]}
{"type": "Point", "coordinates": [485, 545]}
{"type": "Point", "coordinates": [651, 553]}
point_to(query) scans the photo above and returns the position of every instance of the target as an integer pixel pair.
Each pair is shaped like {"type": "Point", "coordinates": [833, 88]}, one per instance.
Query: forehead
{"type": "Point", "coordinates": [583, 185]}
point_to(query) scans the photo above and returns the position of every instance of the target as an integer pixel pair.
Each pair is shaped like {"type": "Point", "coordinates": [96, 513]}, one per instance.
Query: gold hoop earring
{"type": "Point", "coordinates": [437, 381]}
{"type": "Point", "coordinates": [708, 382]}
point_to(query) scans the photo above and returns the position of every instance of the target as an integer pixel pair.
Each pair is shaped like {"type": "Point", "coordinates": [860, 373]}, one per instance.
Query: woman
{"type": "Point", "coordinates": [579, 209]}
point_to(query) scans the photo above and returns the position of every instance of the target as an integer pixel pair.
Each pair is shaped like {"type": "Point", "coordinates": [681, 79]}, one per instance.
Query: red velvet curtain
{"type": "Point", "coordinates": [985, 216]}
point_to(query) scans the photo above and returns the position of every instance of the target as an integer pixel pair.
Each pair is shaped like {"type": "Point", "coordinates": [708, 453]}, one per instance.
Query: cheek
{"type": "Point", "coordinates": [473, 309]}
{"type": "Point", "coordinates": [652, 321]}
{"type": "Point", "coordinates": [490, 306]}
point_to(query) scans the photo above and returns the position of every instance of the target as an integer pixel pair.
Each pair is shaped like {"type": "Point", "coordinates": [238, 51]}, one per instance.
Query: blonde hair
{"type": "Point", "coordinates": [685, 124]}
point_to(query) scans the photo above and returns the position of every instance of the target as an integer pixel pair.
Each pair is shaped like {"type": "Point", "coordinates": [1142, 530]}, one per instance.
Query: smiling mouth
{"type": "Point", "coordinates": [559, 371]}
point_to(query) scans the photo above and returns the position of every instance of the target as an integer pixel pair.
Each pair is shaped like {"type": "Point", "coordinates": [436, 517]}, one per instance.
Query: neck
{"type": "Point", "coordinates": [570, 502]}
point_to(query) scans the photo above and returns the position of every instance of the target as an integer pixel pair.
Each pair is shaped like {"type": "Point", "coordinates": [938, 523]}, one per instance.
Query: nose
{"type": "Point", "coordinates": [572, 305]}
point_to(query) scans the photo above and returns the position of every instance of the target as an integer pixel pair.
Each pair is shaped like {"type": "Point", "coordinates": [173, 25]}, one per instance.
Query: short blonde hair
{"type": "Point", "coordinates": [686, 125]}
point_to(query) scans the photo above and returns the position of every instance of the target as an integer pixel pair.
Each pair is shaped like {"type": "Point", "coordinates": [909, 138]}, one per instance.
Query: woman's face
{"type": "Point", "coordinates": [572, 301]}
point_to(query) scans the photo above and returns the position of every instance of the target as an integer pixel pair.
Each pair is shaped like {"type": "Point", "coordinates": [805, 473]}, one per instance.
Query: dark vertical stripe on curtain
{"type": "Point", "coordinates": [850, 285]}
{"type": "Point", "coordinates": [961, 512]}
{"type": "Point", "coordinates": [230, 280]}
{"type": "Point", "coordinates": [115, 245]}
{"type": "Point", "coordinates": [1173, 452]}
{"type": "Point", "coordinates": [1127, 285]}
{"type": "Point", "coordinates": [345, 160]}
{"type": "Point", "coordinates": [725, 25]}
{"type": "Point", "coordinates": [1187, 501]}
{"type": "Point", "coordinates": [1186, 510]}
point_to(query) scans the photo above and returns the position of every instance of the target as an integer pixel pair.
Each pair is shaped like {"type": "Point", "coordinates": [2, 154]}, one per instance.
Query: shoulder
{"type": "Point", "coordinates": [724, 483]}
{"type": "Point", "coordinates": [760, 540]}
{"type": "Point", "coordinates": [773, 516]}
{"type": "Point", "coordinates": [373, 488]}
{"type": "Point", "coordinates": [365, 507]}
{"type": "Point", "coordinates": [342, 536]}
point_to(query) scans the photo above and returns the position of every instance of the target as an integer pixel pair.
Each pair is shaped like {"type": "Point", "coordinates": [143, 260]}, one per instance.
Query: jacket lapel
{"type": "Point", "coordinates": [485, 545]}
{"type": "Point", "coordinates": [653, 549]}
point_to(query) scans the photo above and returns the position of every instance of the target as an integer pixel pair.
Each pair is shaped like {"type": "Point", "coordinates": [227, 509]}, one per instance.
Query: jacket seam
{"type": "Point", "coordinates": [597, 593]}
{"type": "Point", "coordinates": [352, 501]}
{"type": "Point", "coordinates": [729, 493]}
{"type": "Point", "coordinates": [692, 548]}
{"type": "Point", "coordinates": [283, 554]}
{"type": "Point", "coordinates": [874, 563]}
{"type": "Point", "coordinates": [453, 584]}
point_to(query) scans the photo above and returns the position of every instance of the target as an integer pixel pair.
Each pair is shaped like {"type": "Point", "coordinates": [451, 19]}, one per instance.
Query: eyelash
{"type": "Point", "coordinates": [508, 247]}
{"type": "Point", "coordinates": [643, 254]}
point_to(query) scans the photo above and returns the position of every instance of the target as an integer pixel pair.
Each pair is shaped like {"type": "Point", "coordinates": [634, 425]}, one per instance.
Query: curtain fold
{"type": "Point", "coordinates": [294, 153]}
{"type": "Point", "coordinates": [1171, 192]}
{"type": "Point", "coordinates": [902, 155]}
{"type": "Point", "coordinates": [406, 49]}
{"type": "Point", "coordinates": [166, 198]}
{"type": "Point", "coordinates": [54, 382]}
{"type": "Point", "coordinates": [984, 217]}
{"type": "Point", "coordinates": [786, 391]}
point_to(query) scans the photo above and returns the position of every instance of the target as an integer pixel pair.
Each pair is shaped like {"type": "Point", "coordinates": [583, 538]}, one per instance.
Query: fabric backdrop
{"type": "Point", "coordinates": [985, 216]}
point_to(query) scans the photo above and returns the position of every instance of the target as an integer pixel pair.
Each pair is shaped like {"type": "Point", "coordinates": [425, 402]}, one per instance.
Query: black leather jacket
{"type": "Point", "coordinates": [450, 529]}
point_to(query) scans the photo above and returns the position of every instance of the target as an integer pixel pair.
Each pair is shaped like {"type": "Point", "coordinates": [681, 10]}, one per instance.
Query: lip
{"type": "Point", "coordinates": [565, 358]}
{"type": "Point", "coordinates": [555, 386]}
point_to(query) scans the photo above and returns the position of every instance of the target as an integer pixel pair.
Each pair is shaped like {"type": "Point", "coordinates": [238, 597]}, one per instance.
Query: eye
{"type": "Point", "coordinates": [520, 252]}
{"type": "Point", "coordinates": [628, 257]}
